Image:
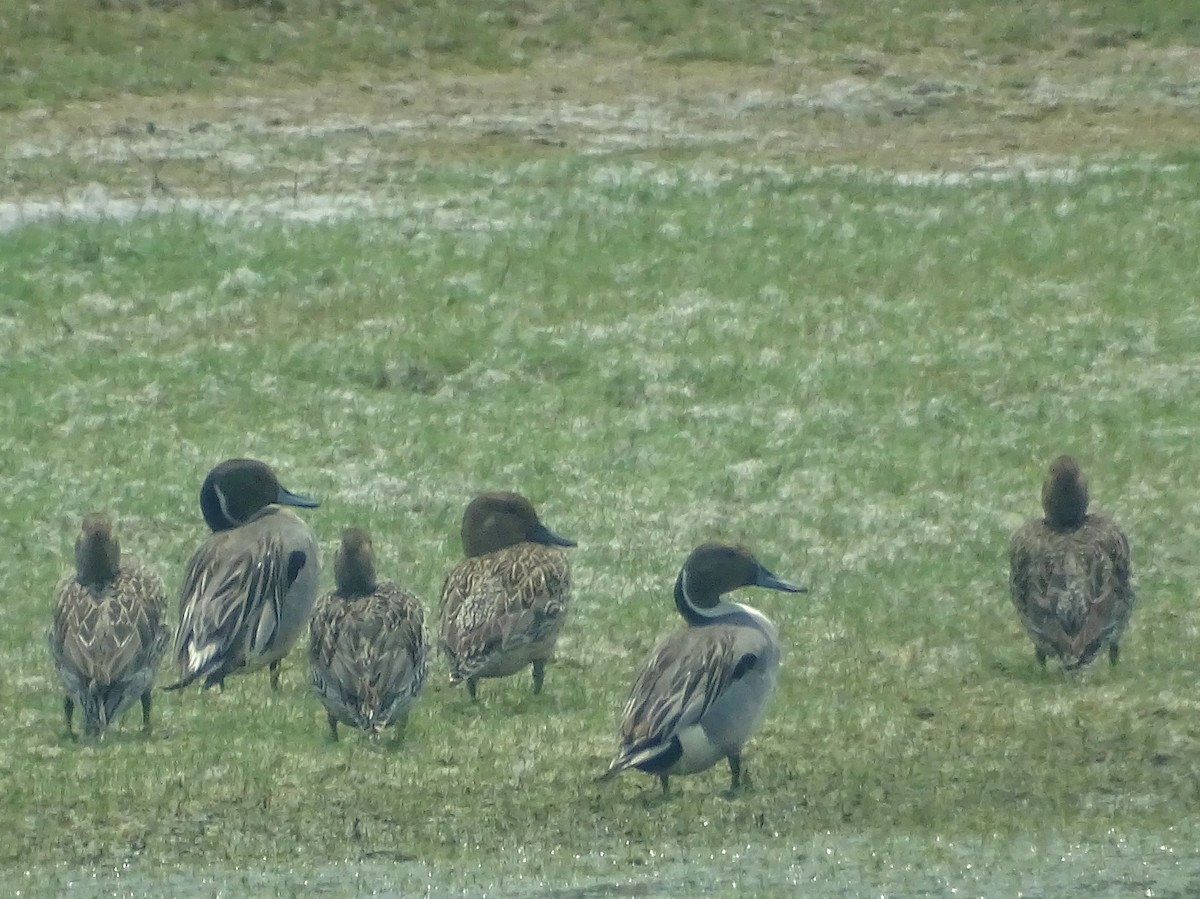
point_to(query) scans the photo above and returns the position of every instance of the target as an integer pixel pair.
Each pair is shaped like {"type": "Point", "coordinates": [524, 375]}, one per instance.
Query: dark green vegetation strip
{"type": "Point", "coordinates": [56, 51]}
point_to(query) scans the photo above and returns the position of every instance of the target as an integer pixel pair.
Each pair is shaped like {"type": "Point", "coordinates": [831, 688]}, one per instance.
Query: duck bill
{"type": "Point", "coordinates": [768, 580]}
{"type": "Point", "coordinates": [285, 497]}
{"type": "Point", "coordinates": [542, 534]}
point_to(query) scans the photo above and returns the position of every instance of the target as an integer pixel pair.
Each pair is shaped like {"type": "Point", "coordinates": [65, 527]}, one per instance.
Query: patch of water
{"type": "Point", "coordinates": [835, 866]}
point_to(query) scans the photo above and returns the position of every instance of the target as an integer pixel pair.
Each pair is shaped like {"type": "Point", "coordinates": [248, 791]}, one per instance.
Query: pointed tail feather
{"type": "Point", "coordinates": [92, 706]}
{"type": "Point", "coordinates": [209, 664]}
{"type": "Point", "coordinates": [613, 770]}
{"type": "Point", "coordinates": [1083, 658]}
{"type": "Point", "coordinates": [631, 757]}
{"type": "Point", "coordinates": [192, 676]}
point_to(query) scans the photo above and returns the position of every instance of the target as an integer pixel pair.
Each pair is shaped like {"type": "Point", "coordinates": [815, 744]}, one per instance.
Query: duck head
{"type": "Point", "coordinates": [1065, 494]}
{"type": "Point", "coordinates": [715, 568]}
{"type": "Point", "coordinates": [238, 488]}
{"type": "Point", "coordinates": [354, 564]}
{"type": "Point", "coordinates": [97, 551]}
{"type": "Point", "coordinates": [494, 521]}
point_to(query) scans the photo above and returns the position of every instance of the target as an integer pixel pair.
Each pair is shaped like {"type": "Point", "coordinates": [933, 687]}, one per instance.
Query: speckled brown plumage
{"type": "Point", "coordinates": [503, 607]}
{"type": "Point", "coordinates": [1070, 574]}
{"type": "Point", "coordinates": [109, 631]}
{"type": "Point", "coordinates": [367, 644]}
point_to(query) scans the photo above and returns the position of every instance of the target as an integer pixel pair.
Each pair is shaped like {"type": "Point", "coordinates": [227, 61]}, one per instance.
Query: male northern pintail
{"type": "Point", "coordinates": [503, 606]}
{"type": "Point", "coordinates": [704, 689]}
{"type": "Point", "coordinates": [1070, 574]}
{"type": "Point", "coordinates": [249, 590]}
{"type": "Point", "coordinates": [110, 629]}
{"type": "Point", "coordinates": [367, 644]}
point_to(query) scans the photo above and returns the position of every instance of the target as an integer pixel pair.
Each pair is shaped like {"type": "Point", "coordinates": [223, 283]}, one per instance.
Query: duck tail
{"type": "Point", "coordinates": [615, 767]}
{"type": "Point", "coordinates": [91, 703]}
{"type": "Point", "coordinates": [184, 681]}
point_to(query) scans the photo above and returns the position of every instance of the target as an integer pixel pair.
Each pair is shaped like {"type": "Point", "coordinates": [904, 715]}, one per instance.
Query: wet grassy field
{"type": "Point", "coordinates": [835, 284]}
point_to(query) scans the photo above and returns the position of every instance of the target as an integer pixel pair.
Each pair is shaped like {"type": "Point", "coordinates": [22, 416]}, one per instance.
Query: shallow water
{"type": "Point", "coordinates": [828, 866]}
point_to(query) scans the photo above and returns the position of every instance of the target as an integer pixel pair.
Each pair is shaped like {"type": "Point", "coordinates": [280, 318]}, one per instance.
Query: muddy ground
{"type": "Point", "coordinates": [922, 112]}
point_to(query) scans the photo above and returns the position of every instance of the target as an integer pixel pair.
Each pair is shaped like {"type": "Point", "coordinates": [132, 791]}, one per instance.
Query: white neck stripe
{"type": "Point", "coordinates": [720, 610]}
{"type": "Point", "coordinates": [224, 506]}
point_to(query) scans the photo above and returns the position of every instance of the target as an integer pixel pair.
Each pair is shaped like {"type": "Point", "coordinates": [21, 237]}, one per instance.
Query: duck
{"type": "Point", "coordinates": [367, 644]}
{"type": "Point", "coordinates": [109, 631]}
{"type": "Point", "coordinates": [249, 589]}
{"type": "Point", "coordinates": [1070, 574]}
{"type": "Point", "coordinates": [503, 606]}
{"type": "Point", "coordinates": [704, 689]}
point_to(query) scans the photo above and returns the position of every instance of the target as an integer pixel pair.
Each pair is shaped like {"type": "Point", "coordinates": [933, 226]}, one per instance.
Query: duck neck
{"type": "Point", "coordinates": [696, 607]}
{"type": "Point", "coordinates": [96, 562]}
{"type": "Point", "coordinates": [216, 516]}
{"type": "Point", "coordinates": [356, 580]}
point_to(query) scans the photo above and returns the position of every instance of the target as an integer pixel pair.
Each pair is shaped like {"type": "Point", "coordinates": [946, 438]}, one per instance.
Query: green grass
{"type": "Point", "coordinates": [845, 307]}
{"type": "Point", "coordinates": [861, 377]}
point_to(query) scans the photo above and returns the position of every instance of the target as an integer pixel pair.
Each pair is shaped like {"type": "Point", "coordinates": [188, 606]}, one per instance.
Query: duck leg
{"type": "Point", "coordinates": [146, 712]}
{"type": "Point", "coordinates": [666, 790]}
{"type": "Point", "coordinates": [738, 778]}
{"type": "Point", "coordinates": [1040, 655]}
{"type": "Point", "coordinates": [1114, 652]}
{"type": "Point", "coordinates": [68, 712]}
{"type": "Point", "coordinates": [539, 675]}
{"type": "Point", "coordinates": [332, 727]}
{"type": "Point", "coordinates": [471, 684]}
{"type": "Point", "coordinates": [275, 675]}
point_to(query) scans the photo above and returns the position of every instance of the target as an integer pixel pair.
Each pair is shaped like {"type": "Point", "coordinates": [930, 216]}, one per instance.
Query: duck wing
{"type": "Point", "coordinates": [369, 654]}
{"type": "Point", "coordinates": [1072, 590]}
{"type": "Point", "coordinates": [678, 684]}
{"type": "Point", "coordinates": [500, 602]}
{"type": "Point", "coordinates": [107, 642]}
{"type": "Point", "coordinates": [231, 602]}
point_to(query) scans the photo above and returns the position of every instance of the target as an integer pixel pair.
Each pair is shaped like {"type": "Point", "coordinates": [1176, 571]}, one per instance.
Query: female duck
{"type": "Point", "coordinates": [503, 606]}
{"type": "Point", "coordinates": [109, 632]}
{"type": "Point", "coordinates": [367, 643]}
{"type": "Point", "coordinates": [1070, 574]}
{"type": "Point", "coordinates": [704, 689]}
{"type": "Point", "coordinates": [249, 590]}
